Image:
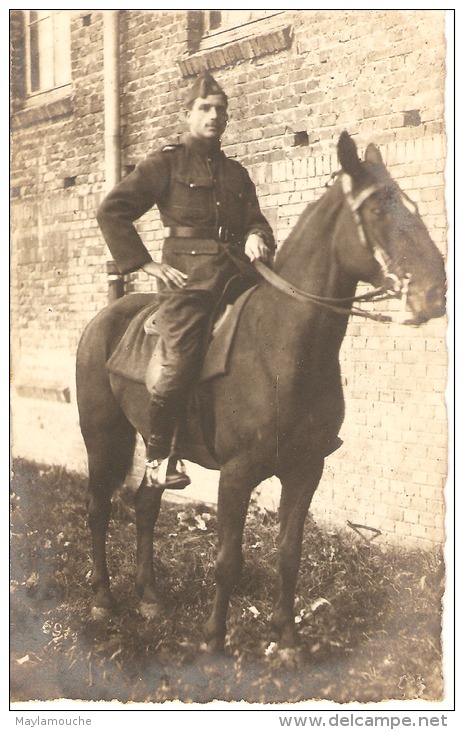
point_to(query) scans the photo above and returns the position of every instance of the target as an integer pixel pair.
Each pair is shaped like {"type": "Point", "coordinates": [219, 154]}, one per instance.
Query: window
{"type": "Point", "coordinates": [48, 50]}
{"type": "Point", "coordinates": [218, 38]}
{"type": "Point", "coordinates": [224, 26]}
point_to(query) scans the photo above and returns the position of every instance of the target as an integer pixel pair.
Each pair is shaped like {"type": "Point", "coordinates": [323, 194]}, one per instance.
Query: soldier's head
{"type": "Point", "coordinates": [206, 108]}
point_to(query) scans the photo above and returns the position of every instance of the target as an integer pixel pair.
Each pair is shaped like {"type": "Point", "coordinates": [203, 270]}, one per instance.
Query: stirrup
{"type": "Point", "coordinates": [164, 474]}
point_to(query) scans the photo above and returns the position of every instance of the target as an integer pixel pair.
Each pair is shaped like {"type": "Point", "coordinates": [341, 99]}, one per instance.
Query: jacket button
{"type": "Point", "coordinates": [193, 252]}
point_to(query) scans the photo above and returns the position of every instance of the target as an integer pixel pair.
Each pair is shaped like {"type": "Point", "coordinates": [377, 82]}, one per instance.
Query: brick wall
{"type": "Point", "coordinates": [377, 73]}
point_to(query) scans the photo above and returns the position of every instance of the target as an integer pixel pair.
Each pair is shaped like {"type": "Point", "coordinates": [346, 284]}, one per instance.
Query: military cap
{"type": "Point", "coordinates": [203, 86]}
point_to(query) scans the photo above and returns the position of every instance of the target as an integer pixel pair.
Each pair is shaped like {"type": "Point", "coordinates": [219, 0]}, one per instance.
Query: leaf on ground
{"type": "Point", "coordinates": [271, 649]}
{"type": "Point", "coordinates": [318, 603]}
{"type": "Point", "coordinates": [33, 580]}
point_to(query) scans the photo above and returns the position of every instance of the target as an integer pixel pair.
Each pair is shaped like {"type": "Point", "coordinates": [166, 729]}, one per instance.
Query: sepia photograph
{"type": "Point", "coordinates": [230, 311]}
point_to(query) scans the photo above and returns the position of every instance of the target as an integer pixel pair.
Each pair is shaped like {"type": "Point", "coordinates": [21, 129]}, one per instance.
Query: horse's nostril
{"type": "Point", "coordinates": [435, 301]}
{"type": "Point", "coordinates": [432, 296]}
{"type": "Point", "coordinates": [436, 297]}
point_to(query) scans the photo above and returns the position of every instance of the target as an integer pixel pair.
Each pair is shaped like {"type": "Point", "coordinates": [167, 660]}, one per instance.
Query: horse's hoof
{"type": "Point", "coordinates": [289, 657]}
{"type": "Point", "coordinates": [150, 610]}
{"type": "Point", "coordinates": [98, 613]}
{"type": "Point", "coordinates": [214, 647]}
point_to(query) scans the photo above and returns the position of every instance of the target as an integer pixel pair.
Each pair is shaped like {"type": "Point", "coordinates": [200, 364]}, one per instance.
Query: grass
{"type": "Point", "coordinates": [369, 615]}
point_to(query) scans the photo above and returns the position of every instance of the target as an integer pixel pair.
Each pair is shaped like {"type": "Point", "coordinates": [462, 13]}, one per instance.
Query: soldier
{"type": "Point", "coordinates": [208, 205]}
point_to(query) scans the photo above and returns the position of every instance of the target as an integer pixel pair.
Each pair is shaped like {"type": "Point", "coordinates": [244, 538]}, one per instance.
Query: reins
{"type": "Point", "coordinates": [381, 294]}
{"type": "Point", "coordinates": [394, 290]}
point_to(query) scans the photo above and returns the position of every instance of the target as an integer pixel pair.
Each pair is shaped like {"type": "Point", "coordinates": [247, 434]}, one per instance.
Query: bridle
{"type": "Point", "coordinates": [392, 288]}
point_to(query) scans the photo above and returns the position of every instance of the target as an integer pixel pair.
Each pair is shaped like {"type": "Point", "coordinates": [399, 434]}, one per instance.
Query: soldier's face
{"type": "Point", "coordinates": [207, 119]}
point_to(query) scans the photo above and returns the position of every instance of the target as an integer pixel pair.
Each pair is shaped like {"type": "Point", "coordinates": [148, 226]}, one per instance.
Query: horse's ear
{"type": "Point", "coordinates": [373, 155]}
{"type": "Point", "coordinates": [348, 156]}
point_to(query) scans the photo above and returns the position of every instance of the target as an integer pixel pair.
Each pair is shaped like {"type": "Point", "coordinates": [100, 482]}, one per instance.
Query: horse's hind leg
{"type": "Point", "coordinates": [297, 492]}
{"type": "Point", "coordinates": [110, 442]}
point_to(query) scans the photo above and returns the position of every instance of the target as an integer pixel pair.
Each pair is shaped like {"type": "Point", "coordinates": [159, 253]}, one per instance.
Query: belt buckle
{"type": "Point", "coordinates": [223, 234]}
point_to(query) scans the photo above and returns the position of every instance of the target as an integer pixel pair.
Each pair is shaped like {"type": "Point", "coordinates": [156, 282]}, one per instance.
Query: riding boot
{"type": "Point", "coordinates": [161, 465]}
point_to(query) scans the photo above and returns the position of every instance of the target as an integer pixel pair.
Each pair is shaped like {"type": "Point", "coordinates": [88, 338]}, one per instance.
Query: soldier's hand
{"type": "Point", "coordinates": [172, 277]}
{"type": "Point", "coordinates": [255, 248]}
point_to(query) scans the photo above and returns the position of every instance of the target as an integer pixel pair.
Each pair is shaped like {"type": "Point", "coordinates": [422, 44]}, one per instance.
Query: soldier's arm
{"type": "Point", "coordinates": [259, 238]}
{"type": "Point", "coordinates": [127, 202]}
{"type": "Point", "coordinates": [256, 223]}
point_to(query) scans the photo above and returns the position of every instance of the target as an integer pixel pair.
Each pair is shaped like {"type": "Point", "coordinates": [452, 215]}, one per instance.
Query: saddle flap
{"type": "Point", "coordinates": [134, 351]}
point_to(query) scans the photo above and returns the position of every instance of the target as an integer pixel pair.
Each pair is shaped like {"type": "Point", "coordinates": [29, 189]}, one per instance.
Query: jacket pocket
{"type": "Point", "coordinates": [192, 200]}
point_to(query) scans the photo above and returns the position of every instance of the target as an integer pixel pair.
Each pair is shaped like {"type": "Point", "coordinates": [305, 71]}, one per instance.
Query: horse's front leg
{"type": "Point", "coordinates": [297, 492]}
{"type": "Point", "coordinates": [233, 499]}
{"type": "Point", "coordinates": [147, 507]}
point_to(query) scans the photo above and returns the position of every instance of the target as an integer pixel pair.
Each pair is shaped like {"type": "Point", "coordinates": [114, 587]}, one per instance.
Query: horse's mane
{"type": "Point", "coordinates": [314, 224]}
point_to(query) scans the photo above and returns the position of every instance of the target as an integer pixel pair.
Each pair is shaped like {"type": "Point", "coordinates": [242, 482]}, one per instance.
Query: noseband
{"type": "Point", "coordinates": [392, 288]}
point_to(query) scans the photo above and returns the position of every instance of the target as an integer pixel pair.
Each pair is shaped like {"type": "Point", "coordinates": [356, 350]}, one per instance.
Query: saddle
{"type": "Point", "coordinates": [140, 342]}
{"type": "Point", "coordinates": [141, 338]}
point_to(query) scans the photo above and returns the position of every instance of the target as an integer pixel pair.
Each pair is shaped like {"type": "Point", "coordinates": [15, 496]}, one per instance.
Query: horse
{"type": "Point", "coordinates": [279, 408]}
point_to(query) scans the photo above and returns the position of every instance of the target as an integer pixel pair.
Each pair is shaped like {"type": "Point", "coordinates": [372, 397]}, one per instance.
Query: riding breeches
{"type": "Point", "coordinates": [182, 320]}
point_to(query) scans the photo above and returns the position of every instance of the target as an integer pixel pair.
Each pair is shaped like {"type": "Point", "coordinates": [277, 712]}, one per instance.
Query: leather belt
{"type": "Point", "coordinates": [220, 233]}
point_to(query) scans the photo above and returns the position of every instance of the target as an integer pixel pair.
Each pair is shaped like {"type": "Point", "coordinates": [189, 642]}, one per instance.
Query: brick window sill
{"type": "Point", "coordinates": [254, 46]}
{"type": "Point", "coordinates": [46, 112]}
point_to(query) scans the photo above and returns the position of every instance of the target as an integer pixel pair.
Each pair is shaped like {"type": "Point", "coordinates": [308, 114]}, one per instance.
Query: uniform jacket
{"type": "Point", "coordinates": [192, 186]}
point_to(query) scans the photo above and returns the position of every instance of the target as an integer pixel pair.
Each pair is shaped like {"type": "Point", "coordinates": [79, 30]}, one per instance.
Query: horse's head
{"type": "Point", "coordinates": [391, 239]}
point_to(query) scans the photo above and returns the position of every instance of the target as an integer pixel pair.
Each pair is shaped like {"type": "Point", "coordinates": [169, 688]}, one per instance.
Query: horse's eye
{"type": "Point", "coordinates": [377, 211]}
